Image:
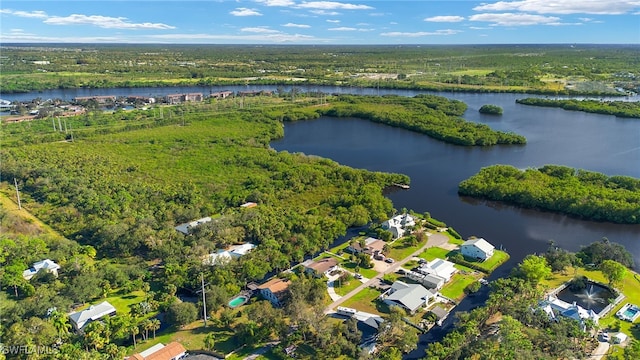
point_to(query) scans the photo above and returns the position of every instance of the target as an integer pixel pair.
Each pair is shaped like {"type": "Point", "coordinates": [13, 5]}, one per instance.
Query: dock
{"type": "Point", "coordinates": [402, 186]}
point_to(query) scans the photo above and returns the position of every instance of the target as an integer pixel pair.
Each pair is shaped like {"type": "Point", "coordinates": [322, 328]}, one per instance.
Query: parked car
{"type": "Point", "coordinates": [389, 260]}
{"type": "Point", "coordinates": [358, 276]}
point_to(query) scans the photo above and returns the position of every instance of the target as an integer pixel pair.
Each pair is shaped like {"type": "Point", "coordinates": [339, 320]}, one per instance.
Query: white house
{"type": "Point", "coordinates": [224, 256]}
{"type": "Point", "coordinates": [398, 225]}
{"type": "Point", "coordinates": [439, 267]}
{"type": "Point", "coordinates": [553, 305]}
{"type": "Point", "coordinates": [186, 227]}
{"type": "Point", "coordinates": [44, 265]}
{"type": "Point", "coordinates": [80, 319]}
{"type": "Point", "coordinates": [477, 249]}
{"type": "Point", "coordinates": [408, 296]}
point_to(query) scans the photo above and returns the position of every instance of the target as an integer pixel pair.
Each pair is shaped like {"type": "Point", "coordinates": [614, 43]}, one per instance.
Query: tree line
{"type": "Point", "coordinates": [625, 109]}
{"type": "Point", "coordinates": [581, 193]}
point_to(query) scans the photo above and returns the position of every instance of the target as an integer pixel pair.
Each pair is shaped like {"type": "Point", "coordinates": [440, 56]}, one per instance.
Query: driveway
{"type": "Point", "coordinates": [432, 241]}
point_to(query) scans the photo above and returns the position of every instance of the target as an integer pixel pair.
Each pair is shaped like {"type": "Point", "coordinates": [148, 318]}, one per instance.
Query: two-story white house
{"type": "Point", "coordinates": [478, 248]}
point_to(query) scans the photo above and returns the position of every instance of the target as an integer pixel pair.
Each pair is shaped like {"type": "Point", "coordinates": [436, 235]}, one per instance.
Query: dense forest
{"type": "Point", "coordinates": [626, 109]}
{"type": "Point", "coordinates": [586, 194]}
{"type": "Point", "coordinates": [548, 69]}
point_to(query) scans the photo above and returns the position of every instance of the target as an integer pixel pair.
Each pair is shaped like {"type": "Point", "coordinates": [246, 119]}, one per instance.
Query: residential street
{"type": "Point", "coordinates": [435, 239]}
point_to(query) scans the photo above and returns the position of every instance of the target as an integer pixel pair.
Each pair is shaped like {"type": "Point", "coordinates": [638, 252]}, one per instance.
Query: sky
{"type": "Point", "coordinates": [321, 22]}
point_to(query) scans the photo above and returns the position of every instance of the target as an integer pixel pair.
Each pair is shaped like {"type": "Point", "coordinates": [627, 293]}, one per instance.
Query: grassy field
{"type": "Point", "coordinates": [455, 288]}
{"type": "Point", "coordinates": [498, 258]}
{"type": "Point", "coordinates": [401, 248]}
{"type": "Point", "coordinates": [345, 288]}
{"type": "Point", "coordinates": [434, 253]}
{"type": "Point", "coordinates": [365, 301]}
{"type": "Point", "coordinates": [368, 273]}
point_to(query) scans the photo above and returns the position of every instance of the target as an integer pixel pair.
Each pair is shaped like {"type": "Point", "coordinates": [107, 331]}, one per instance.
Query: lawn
{"type": "Point", "coordinates": [346, 287]}
{"type": "Point", "coordinates": [455, 288]}
{"type": "Point", "coordinates": [401, 248]}
{"type": "Point", "coordinates": [499, 257]}
{"type": "Point", "coordinates": [365, 301]}
{"type": "Point", "coordinates": [434, 253]}
{"type": "Point", "coordinates": [368, 273]}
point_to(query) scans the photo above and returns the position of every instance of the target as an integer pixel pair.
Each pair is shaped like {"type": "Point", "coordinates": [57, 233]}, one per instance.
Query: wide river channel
{"type": "Point", "coordinates": [588, 141]}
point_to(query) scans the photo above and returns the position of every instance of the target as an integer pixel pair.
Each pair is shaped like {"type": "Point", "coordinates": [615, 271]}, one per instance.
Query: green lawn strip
{"type": "Point", "coordinates": [498, 258]}
{"type": "Point", "coordinates": [455, 288]}
{"type": "Point", "coordinates": [364, 301]}
{"type": "Point", "coordinates": [401, 249]}
{"type": "Point", "coordinates": [368, 273]}
{"type": "Point", "coordinates": [345, 288]}
{"type": "Point", "coordinates": [434, 253]}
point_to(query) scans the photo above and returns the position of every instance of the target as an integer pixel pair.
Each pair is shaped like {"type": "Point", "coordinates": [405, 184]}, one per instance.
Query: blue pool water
{"type": "Point", "coordinates": [237, 301]}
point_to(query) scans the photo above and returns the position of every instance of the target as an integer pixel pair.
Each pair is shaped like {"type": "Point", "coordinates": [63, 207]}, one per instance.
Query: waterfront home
{"type": "Point", "coordinates": [186, 227]}
{"type": "Point", "coordinates": [554, 306]}
{"type": "Point", "coordinates": [222, 257]}
{"type": "Point", "coordinates": [274, 290]}
{"type": "Point", "coordinates": [408, 296]}
{"type": "Point", "coordinates": [399, 224]}
{"type": "Point", "coordinates": [478, 248]}
{"type": "Point", "coordinates": [439, 267]}
{"type": "Point", "coordinates": [320, 267]}
{"type": "Point", "coordinates": [172, 351]}
{"type": "Point", "coordinates": [44, 265]}
{"type": "Point", "coordinates": [429, 281]}
{"type": "Point", "coordinates": [80, 319]}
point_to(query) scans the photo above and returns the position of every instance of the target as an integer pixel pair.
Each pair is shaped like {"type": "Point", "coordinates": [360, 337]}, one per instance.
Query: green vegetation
{"type": "Point", "coordinates": [549, 69]}
{"type": "Point", "coordinates": [499, 257]}
{"type": "Point", "coordinates": [365, 300]}
{"type": "Point", "coordinates": [580, 193]}
{"type": "Point", "coordinates": [626, 109]}
{"type": "Point", "coordinates": [455, 288]}
{"type": "Point", "coordinates": [490, 110]}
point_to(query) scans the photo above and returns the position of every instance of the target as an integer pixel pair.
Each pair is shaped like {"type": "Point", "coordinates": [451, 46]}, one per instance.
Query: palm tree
{"type": "Point", "coordinates": [135, 330]}
{"type": "Point", "coordinates": [146, 326]}
{"type": "Point", "coordinates": [60, 322]}
{"type": "Point", "coordinates": [155, 325]}
{"type": "Point", "coordinates": [209, 341]}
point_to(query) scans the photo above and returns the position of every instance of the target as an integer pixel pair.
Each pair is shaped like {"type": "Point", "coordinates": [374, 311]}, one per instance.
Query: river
{"type": "Point", "coordinates": [589, 141]}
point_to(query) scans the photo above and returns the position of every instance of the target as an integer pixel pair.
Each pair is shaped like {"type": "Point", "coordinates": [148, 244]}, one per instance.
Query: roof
{"type": "Point", "coordinates": [94, 312]}
{"type": "Point", "coordinates": [275, 285]}
{"type": "Point", "coordinates": [321, 266]}
{"type": "Point", "coordinates": [46, 264]}
{"type": "Point", "coordinates": [440, 267]}
{"type": "Point", "coordinates": [249, 205]}
{"type": "Point", "coordinates": [411, 296]}
{"type": "Point", "coordinates": [184, 228]}
{"type": "Point", "coordinates": [439, 312]}
{"type": "Point", "coordinates": [480, 243]}
{"type": "Point", "coordinates": [161, 352]}
{"type": "Point", "coordinates": [224, 256]}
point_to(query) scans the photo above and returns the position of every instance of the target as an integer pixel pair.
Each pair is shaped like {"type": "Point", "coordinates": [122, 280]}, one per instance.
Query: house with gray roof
{"type": "Point", "coordinates": [408, 296]}
{"type": "Point", "coordinates": [80, 319]}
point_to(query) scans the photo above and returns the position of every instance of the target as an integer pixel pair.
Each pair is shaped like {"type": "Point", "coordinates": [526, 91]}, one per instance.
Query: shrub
{"type": "Point", "coordinates": [491, 110]}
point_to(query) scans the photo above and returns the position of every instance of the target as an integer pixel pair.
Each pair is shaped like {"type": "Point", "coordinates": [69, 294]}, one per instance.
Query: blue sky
{"type": "Point", "coordinates": [321, 22]}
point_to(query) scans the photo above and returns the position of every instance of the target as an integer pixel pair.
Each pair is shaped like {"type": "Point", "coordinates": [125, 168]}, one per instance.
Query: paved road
{"type": "Point", "coordinates": [436, 239]}
{"type": "Point", "coordinates": [600, 351]}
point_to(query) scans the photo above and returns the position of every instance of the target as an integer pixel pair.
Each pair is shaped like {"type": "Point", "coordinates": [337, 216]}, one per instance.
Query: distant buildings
{"type": "Point", "coordinates": [180, 98]}
{"type": "Point", "coordinates": [80, 319]}
{"type": "Point", "coordinates": [398, 225]}
{"type": "Point", "coordinates": [477, 249]}
{"type": "Point", "coordinates": [44, 265]}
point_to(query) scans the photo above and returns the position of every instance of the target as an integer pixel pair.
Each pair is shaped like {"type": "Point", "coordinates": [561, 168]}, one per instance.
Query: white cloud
{"type": "Point", "coordinates": [478, 28]}
{"type": "Point", "coordinates": [254, 38]}
{"type": "Point", "coordinates": [276, 2]}
{"type": "Point", "coordinates": [333, 21]}
{"type": "Point", "coordinates": [301, 26]}
{"type": "Point", "coordinates": [28, 14]}
{"type": "Point", "coordinates": [245, 12]}
{"type": "Point", "coordinates": [324, 12]}
{"type": "Point", "coordinates": [105, 22]}
{"type": "Point", "coordinates": [445, 19]}
{"type": "Point", "coordinates": [603, 7]}
{"type": "Point", "coordinates": [393, 23]}
{"type": "Point", "coordinates": [420, 33]}
{"type": "Point", "coordinates": [331, 5]}
{"type": "Point", "coordinates": [510, 19]}
{"type": "Point", "coordinates": [343, 28]}
{"type": "Point", "coordinates": [260, 30]}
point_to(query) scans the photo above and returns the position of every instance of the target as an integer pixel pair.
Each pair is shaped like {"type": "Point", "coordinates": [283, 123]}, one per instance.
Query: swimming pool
{"type": "Point", "coordinates": [237, 301]}
{"type": "Point", "coordinates": [628, 312]}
